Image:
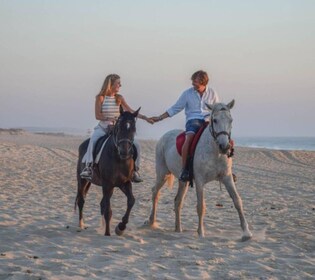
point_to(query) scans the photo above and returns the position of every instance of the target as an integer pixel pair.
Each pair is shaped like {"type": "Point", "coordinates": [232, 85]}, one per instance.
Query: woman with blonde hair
{"type": "Point", "coordinates": [107, 104]}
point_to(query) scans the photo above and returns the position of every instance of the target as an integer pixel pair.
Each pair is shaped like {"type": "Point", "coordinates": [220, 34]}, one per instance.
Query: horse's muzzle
{"type": "Point", "coordinates": [124, 148]}
{"type": "Point", "coordinates": [224, 149]}
{"type": "Point", "coordinates": [125, 156]}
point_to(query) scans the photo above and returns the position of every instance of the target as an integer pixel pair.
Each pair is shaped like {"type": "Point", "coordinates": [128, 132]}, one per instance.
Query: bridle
{"type": "Point", "coordinates": [215, 134]}
{"type": "Point", "coordinates": [118, 142]}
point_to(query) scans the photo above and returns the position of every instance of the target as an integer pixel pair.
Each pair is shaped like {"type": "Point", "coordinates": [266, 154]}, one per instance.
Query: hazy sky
{"type": "Point", "coordinates": [54, 56]}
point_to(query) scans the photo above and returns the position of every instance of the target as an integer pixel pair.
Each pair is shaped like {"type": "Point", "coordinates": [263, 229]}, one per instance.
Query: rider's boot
{"type": "Point", "coordinates": [87, 172]}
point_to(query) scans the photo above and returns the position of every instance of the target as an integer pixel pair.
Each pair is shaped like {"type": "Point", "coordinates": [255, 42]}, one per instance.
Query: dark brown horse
{"type": "Point", "coordinates": [114, 169]}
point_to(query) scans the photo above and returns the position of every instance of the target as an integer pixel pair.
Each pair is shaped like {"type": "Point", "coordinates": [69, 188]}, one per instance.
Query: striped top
{"type": "Point", "coordinates": [110, 110]}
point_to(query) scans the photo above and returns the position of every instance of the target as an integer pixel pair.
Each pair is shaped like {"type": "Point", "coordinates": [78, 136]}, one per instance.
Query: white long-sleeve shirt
{"type": "Point", "coordinates": [193, 104]}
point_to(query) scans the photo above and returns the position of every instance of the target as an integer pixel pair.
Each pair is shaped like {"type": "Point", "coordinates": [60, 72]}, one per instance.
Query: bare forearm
{"type": "Point", "coordinates": [142, 117]}
{"type": "Point", "coordinates": [163, 116]}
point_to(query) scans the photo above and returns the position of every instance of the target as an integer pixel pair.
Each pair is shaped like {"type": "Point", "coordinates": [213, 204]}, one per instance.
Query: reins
{"type": "Point", "coordinates": [215, 134]}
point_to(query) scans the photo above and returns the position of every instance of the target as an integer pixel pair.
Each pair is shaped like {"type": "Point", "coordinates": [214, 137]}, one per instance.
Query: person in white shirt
{"type": "Point", "coordinates": [193, 101]}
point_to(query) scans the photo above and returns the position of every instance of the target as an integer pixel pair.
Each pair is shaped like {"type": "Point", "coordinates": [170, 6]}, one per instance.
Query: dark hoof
{"type": "Point", "coordinates": [246, 238]}
{"type": "Point", "coordinates": [118, 231]}
{"type": "Point", "coordinates": [136, 178]}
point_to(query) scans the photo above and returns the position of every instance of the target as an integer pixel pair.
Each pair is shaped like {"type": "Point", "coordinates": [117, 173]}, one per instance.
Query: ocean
{"type": "Point", "coordinates": [276, 143]}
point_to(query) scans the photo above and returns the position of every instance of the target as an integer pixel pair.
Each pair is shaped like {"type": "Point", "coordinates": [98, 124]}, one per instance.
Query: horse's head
{"type": "Point", "coordinates": [124, 133]}
{"type": "Point", "coordinates": [221, 124]}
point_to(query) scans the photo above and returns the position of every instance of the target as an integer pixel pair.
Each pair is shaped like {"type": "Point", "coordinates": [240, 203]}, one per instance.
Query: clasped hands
{"type": "Point", "coordinates": [153, 120]}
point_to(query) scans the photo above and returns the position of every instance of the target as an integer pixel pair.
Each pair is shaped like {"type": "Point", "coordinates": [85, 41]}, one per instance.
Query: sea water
{"type": "Point", "coordinates": [277, 143]}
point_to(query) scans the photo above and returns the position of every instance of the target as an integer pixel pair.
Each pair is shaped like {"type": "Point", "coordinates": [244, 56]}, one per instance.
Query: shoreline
{"type": "Point", "coordinates": [4, 134]}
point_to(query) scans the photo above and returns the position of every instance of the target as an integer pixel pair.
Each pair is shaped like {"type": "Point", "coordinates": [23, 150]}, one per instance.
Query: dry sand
{"type": "Point", "coordinates": [39, 237]}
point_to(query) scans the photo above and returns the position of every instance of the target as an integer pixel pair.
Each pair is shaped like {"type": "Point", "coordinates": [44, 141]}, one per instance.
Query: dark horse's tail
{"type": "Point", "coordinates": [82, 150]}
{"type": "Point", "coordinates": [75, 204]}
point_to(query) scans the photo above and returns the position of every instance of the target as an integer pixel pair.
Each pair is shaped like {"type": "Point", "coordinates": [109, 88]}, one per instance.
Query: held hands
{"type": "Point", "coordinates": [155, 119]}
{"type": "Point", "coordinates": [149, 120]}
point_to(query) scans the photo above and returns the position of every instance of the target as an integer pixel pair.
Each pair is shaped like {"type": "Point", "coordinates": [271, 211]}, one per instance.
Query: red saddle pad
{"type": "Point", "coordinates": [180, 139]}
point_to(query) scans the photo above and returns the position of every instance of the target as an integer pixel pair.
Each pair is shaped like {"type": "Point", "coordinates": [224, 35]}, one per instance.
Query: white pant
{"type": "Point", "coordinates": [97, 134]}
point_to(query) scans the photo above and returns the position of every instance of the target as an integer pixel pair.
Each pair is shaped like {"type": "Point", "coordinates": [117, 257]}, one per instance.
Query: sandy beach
{"type": "Point", "coordinates": [40, 238]}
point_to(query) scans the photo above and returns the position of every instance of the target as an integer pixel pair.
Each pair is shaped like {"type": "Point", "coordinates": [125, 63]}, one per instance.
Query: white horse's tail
{"type": "Point", "coordinates": [170, 181]}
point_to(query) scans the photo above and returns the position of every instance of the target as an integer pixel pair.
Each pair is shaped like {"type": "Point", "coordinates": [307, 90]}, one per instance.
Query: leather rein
{"type": "Point", "coordinates": [215, 134]}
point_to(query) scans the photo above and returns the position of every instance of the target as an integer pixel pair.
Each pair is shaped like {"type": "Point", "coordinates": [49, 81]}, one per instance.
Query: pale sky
{"type": "Point", "coordinates": [54, 56]}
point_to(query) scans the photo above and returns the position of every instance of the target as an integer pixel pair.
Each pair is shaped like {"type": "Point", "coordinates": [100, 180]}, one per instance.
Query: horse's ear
{"type": "Point", "coordinates": [231, 104]}
{"type": "Point", "coordinates": [210, 106]}
{"type": "Point", "coordinates": [121, 109]}
{"type": "Point", "coordinates": [136, 112]}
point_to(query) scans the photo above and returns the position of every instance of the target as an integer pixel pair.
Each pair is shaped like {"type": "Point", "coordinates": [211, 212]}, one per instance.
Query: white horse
{"type": "Point", "coordinates": [210, 163]}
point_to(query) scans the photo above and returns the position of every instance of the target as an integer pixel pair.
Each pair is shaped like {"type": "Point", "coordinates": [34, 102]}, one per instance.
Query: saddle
{"type": "Point", "coordinates": [180, 139]}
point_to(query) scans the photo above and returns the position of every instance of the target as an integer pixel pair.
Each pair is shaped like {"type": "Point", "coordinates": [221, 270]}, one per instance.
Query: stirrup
{"type": "Point", "coordinates": [87, 173]}
{"type": "Point", "coordinates": [184, 175]}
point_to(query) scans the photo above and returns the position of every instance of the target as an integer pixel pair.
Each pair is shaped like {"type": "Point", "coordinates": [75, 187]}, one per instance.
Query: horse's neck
{"type": "Point", "coordinates": [110, 146]}
{"type": "Point", "coordinates": [206, 141]}
{"type": "Point", "coordinates": [206, 160]}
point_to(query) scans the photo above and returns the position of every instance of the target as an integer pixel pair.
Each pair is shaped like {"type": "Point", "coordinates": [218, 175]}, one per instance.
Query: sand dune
{"type": "Point", "coordinates": [40, 239]}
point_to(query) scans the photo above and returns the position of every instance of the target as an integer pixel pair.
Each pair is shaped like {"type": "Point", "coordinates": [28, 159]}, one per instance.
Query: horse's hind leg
{"type": "Point", "coordinates": [162, 175]}
{"type": "Point", "coordinates": [83, 188]}
{"type": "Point", "coordinates": [178, 204]}
{"type": "Point", "coordinates": [106, 210]}
{"type": "Point", "coordinates": [160, 181]}
{"type": "Point", "coordinates": [127, 190]}
{"type": "Point", "coordinates": [229, 184]}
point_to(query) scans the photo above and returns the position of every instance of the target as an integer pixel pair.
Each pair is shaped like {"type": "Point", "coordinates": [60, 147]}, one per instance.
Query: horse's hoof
{"type": "Point", "coordinates": [201, 232]}
{"type": "Point", "coordinates": [82, 225]}
{"type": "Point", "coordinates": [118, 231]}
{"type": "Point", "coordinates": [246, 237]}
{"type": "Point", "coordinates": [148, 223]}
{"type": "Point", "coordinates": [179, 229]}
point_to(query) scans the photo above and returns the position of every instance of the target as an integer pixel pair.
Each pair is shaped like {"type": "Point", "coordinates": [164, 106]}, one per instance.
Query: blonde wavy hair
{"type": "Point", "coordinates": [107, 85]}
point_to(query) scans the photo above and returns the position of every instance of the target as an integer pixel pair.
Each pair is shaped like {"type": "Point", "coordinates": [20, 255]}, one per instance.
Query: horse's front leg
{"type": "Point", "coordinates": [106, 210]}
{"type": "Point", "coordinates": [127, 190]}
{"type": "Point", "coordinates": [201, 208]}
{"type": "Point", "coordinates": [178, 204]}
{"type": "Point", "coordinates": [230, 186]}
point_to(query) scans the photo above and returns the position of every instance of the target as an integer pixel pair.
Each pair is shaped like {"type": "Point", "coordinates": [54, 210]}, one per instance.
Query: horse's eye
{"type": "Point", "coordinates": [215, 120]}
